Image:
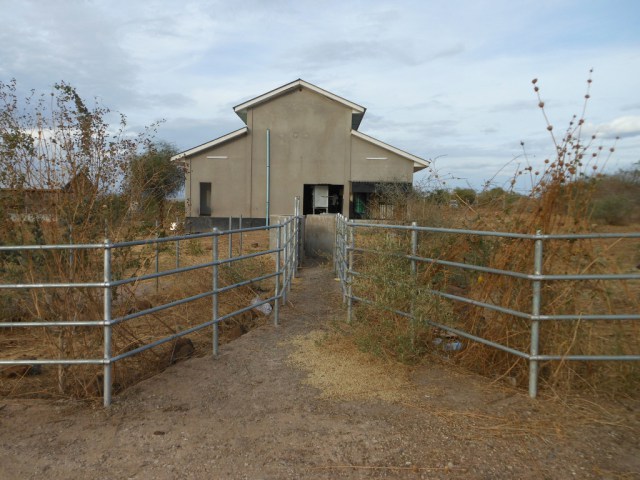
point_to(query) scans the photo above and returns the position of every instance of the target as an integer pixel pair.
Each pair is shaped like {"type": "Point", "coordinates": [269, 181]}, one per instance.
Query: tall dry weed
{"type": "Point", "coordinates": [64, 166]}
{"type": "Point", "coordinates": [560, 201]}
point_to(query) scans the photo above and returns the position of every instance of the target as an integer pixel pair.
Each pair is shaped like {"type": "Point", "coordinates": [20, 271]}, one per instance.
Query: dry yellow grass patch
{"type": "Point", "coordinates": [341, 371]}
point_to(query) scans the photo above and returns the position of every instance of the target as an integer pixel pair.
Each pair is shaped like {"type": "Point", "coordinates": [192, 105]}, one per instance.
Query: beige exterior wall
{"type": "Point", "coordinates": [393, 169]}
{"type": "Point", "coordinates": [229, 178]}
{"type": "Point", "coordinates": [311, 143]}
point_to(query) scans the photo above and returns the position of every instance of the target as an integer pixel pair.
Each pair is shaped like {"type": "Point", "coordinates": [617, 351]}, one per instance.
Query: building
{"type": "Point", "coordinates": [42, 204]}
{"type": "Point", "coordinates": [298, 140]}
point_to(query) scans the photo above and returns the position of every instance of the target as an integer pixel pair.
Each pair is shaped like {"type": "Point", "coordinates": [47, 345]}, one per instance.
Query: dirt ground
{"type": "Point", "coordinates": [299, 402]}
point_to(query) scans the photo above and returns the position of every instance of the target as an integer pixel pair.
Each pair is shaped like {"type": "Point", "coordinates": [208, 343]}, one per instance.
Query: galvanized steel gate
{"type": "Point", "coordinates": [347, 248]}
{"type": "Point", "coordinates": [286, 253]}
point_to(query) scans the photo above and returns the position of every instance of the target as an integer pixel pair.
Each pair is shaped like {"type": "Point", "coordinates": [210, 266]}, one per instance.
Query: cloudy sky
{"type": "Point", "coordinates": [443, 80]}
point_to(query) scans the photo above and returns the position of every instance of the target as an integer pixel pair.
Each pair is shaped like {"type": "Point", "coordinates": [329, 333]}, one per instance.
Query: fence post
{"type": "Point", "coordinates": [214, 303]}
{"type": "Point", "coordinates": [336, 248]}
{"type": "Point", "coordinates": [300, 251]}
{"type": "Point", "coordinates": [157, 258]}
{"type": "Point", "coordinates": [294, 246]}
{"type": "Point", "coordinates": [291, 258]}
{"type": "Point", "coordinates": [414, 279]}
{"type": "Point", "coordinates": [296, 213]}
{"type": "Point", "coordinates": [177, 246]}
{"type": "Point", "coordinates": [535, 310]}
{"type": "Point", "coordinates": [351, 241]}
{"type": "Point", "coordinates": [339, 253]}
{"type": "Point", "coordinates": [285, 251]}
{"type": "Point", "coordinates": [276, 303]}
{"type": "Point", "coordinates": [240, 228]}
{"type": "Point", "coordinates": [230, 237]}
{"type": "Point", "coordinates": [343, 258]}
{"type": "Point", "coordinates": [71, 252]}
{"type": "Point", "coordinates": [107, 372]}
{"type": "Point", "coordinates": [287, 255]}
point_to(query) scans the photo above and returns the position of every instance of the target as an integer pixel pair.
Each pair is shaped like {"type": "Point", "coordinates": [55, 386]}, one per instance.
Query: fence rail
{"type": "Point", "coordinates": [286, 252]}
{"type": "Point", "coordinates": [344, 265]}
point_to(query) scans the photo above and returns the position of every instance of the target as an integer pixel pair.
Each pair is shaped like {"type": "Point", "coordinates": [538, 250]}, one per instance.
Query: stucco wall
{"type": "Point", "coordinates": [310, 143]}
{"type": "Point", "coordinates": [393, 169]}
{"type": "Point", "coordinates": [229, 177]}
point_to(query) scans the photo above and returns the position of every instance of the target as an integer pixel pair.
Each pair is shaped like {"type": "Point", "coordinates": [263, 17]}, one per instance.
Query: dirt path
{"type": "Point", "coordinates": [252, 413]}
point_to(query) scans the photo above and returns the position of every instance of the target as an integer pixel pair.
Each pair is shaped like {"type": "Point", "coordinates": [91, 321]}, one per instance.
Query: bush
{"type": "Point", "coordinates": [613, 210]}
{"type": "Point", "coordinates": [466, 195]}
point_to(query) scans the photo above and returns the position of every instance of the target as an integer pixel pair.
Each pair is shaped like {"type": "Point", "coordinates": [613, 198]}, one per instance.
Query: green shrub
{"type": "Point", "coordinates": [613, 210]}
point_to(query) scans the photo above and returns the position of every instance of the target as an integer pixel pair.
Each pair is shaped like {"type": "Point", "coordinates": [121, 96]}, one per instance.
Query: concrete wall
{"type": "Point", "coordinates": [229, 177]}
{"type": "Point", "coordinates": [310, 143]}
{"type": "Point", "coordinates": [393, 169]}
{"type": "Point", "coordinates": [319, 235]}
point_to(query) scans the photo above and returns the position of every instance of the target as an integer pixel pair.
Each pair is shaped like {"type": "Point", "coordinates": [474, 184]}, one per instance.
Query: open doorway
{"type": "Point", "coordinates": [376, 200]}
{"type": "Point", "coordinates": [205, 198]}
{"type": "Point", "coordinates": [322, 198]}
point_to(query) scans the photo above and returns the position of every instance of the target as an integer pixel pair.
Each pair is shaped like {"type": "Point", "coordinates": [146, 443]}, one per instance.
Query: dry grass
{"type": "Point", "coordinates": [86, 342]}
{"type": "Point", "coordinates": [387, 282]}
{"type": "Point", "coordinates": [560, 201]}
{"type": "Point", "coordinates": [340, 371]}
{"type": "Point", "coordinates": [471, 409]}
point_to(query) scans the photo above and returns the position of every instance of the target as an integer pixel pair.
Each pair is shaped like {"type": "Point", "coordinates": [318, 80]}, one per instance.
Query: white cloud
{"type": "Point", "coordinates": [437, 78]}
{"type": "Point", "coordinates": [627, 126]}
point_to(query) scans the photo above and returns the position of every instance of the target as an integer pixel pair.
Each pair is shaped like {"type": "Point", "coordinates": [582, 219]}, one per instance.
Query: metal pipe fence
{"type": "Point", "coordinates": [286, 260]}
{"type": "Point", "coordinates": [346, 247]}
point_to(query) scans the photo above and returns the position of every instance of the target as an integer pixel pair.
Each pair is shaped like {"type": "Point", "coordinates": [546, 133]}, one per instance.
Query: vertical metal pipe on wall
{"type": "Point", "coordinates": [268, 206]}
{"type": "Point", "coordinates": [106, 387]}
{"type": "Point", "coordinates": [535, 324]}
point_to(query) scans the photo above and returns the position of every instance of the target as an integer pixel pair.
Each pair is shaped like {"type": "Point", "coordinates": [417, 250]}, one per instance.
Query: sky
{"type": "Point", "coordinates": [446, 81]}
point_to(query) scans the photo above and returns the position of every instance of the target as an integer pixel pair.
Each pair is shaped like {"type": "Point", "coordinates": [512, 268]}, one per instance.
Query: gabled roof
{"type": "Point", "coordinates": [212, 143]}
{"type": "Point", "coordinates": [357, 110]}
{"type": "Point", "coordinates": [418, 163]}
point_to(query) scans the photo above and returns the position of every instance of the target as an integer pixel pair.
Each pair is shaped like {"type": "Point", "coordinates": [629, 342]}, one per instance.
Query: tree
{"type": "Point", "coordinates": [439, 196]}
{"type": "Point", "coordinates": [616, 197]}
{"type": "Point", "coordinates": [466, 195]}
{"type": "Point", "coordinates": [152, 177]}
{"type": "Point", "coordinates": [61, 161]}
{"type": "Point", "coordinates": [62, 166]}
